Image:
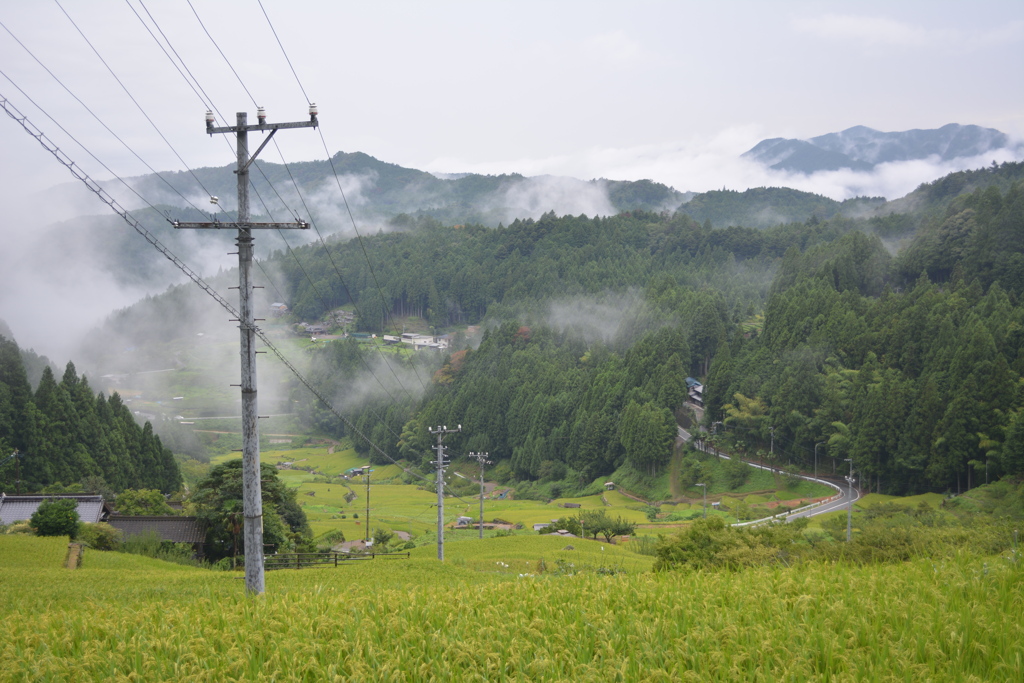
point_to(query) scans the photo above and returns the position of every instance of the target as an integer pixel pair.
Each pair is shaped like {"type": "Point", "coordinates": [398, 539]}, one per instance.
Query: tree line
{"type": "Point", "coordinates": [908, 365]}
{"type": "Point", "coordinates": [65, 433]}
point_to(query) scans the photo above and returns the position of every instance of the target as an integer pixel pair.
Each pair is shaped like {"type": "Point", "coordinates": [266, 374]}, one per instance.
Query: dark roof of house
{"type": "Point", "coordinates": [91, 508]}
{"type": "Point", "coordinates": [170, 528]}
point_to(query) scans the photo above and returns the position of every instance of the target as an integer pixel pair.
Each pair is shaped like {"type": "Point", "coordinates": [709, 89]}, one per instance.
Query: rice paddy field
{"type": "Point", "coordinates": [409, 509]}
{"type": "Point", "coordinates": [480, 617]}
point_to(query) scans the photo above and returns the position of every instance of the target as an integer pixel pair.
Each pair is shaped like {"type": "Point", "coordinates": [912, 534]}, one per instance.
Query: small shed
{"type": "Point", "coordinates": [463, 521]}
{"type": "Point", "coordinates": [168, 527]}
{"type": "Point", "coordinates": [609, 486]}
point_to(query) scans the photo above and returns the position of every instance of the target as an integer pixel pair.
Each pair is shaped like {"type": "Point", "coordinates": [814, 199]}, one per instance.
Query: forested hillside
{"type": "Point", "coordinates": [805, 333]}
{"type": "Point", "coordinates": [66, 434]}
{"type": "Point", "coordinates": [910, 366]}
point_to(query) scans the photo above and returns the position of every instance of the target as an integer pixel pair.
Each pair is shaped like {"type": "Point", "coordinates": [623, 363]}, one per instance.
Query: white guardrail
{"type": "Point", "coordinates": [783, 515]}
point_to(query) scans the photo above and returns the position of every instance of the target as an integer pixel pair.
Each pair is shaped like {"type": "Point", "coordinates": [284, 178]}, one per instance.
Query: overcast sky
{"type": "Point", "coordinates": [672, 91]}
{"type": "Point", "coordinates": [666, 90]}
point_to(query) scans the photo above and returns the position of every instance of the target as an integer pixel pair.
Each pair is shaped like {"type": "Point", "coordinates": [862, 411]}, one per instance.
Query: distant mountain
{"type": "Point", "coordinates": [861, 148]}
{"type": "Point", "coordinates": [763, 207]}
{"type": "Point", "coordinates": [378, 191]}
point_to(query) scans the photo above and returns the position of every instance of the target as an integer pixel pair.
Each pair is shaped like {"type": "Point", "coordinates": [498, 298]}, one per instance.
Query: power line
{"type": "Point", "coordinates": [280, 45]}
{"type": "Point", "coordinates": [341, 190]}
{"type": "Point", "coordinates": [132, 97]}
{"type": "Point", "coordinates": [93, 114]}
{"type": "Point", "coordinates": [84, 177]}
{"type": "Point", "coordinates": [330, 257]}
{"type": "Point", "coordinates": [226, 60]}
{"type": "Point", "coordinates": [192, 85]}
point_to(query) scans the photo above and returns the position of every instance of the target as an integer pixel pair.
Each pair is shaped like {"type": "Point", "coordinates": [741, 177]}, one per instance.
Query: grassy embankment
{"type": "Point", "coordinates": [126, 617]}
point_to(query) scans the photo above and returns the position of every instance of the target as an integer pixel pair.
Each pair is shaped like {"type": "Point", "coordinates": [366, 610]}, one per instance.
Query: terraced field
{"type": "Point", "coordinates": [483, 616]}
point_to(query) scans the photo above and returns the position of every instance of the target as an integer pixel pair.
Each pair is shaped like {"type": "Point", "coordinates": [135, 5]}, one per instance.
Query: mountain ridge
{"type": "Point", "coordinates": [861, 148]}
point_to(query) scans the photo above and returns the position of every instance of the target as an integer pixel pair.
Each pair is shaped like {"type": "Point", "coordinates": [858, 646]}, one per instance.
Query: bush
{"type": "Point", "coordinates": [56, 518]}
{"type": "Point", "coordinates": [20, 528]}
{"type": "Point", "coordinates": [99, 536]}
{"type": "Point", "coordinates": [736, 472]}
{"type": "Point", "coordinates": [149, 544]}
{"type": "Point", "coordinates": [381, 537]}
{"type": "Point", "coordinates": [332, 537]}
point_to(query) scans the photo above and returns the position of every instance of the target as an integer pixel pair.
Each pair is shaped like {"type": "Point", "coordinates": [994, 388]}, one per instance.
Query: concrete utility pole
{"type": "Point", "coordinates": [252, 498]}
{"type": "Point", "coordinates": [849, 509]}
{"type": "Point", "coordinates": [17, 471]}
{"type": "Point", "coordinates": [482, 458]}
{"type": "Point", "coordinates": [366, 522]}
{"type": "Point", "coordinates": [441, 464]}
{"type": "Point", "coordinates": [816, 459]}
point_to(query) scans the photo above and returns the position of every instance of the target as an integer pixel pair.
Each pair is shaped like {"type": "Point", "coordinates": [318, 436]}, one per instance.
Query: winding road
{"type": "Point", "coordinates": [841, 500]}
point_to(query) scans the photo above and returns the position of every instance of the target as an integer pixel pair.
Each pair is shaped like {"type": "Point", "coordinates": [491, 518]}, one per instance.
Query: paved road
{"type": "Point", "coordinates": [840, 503]}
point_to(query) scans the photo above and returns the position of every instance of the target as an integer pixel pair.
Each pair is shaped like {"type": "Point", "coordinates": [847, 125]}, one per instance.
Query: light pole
{"type": "Point", "coordinates": [816, 458]}
{"type": "Point", "coordinates": [849, 509]}
{"type": "Point", "coordinates": [366, 478]}
{"type": "Point", "coordinates": [705, 499]}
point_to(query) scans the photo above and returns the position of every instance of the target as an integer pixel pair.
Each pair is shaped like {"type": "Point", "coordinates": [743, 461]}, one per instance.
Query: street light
{"type": "Point", "coordinates": [705, 499]}
{"type": "Point", "coordinates": [849, 509]}
{"type": "Point", "coordinates": [816, 458]}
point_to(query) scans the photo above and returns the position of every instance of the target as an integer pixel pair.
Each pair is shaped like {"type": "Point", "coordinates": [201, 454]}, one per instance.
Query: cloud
{"type": "Point", "coordinates": [535, 196]}
{"type": "Point", "coordinates": [615, 48]}
{"type": "Point", "coordinates": [873, 31]}
{"type": "Point", "coordinates": [700, 164]}
{"type": "Point", "coordinates": [597, 318]}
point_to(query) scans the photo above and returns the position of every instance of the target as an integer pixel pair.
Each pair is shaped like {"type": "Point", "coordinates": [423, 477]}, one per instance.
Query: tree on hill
{"type": "Point", "coordinates": [217, 500]}
{"type": "Point", "coordinates": [142, 502]}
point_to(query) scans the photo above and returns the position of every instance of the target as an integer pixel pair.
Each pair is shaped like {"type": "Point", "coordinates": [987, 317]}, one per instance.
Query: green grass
{"type": "Point", "coordinates": [129, 618]}
{"type": "Point", "coordinates": [933, 500]}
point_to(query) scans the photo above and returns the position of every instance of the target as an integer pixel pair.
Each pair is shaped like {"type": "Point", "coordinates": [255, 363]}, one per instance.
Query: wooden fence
{"type": "Point", "coordinates": [303, 560]}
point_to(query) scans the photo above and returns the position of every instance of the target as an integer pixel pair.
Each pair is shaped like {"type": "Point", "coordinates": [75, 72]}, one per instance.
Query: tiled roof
{"type": "Point", "coordinates": [170, 528]}
{"type": "Point", "coordinates": [16, 508]}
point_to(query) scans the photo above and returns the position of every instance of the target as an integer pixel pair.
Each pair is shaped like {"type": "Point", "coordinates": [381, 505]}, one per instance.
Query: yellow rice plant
{"type": "Point", "coordinates": [130, 618]}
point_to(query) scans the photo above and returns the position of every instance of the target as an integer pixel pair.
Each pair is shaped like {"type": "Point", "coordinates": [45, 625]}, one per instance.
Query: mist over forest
{"type": "Point", "coordinates": [571, 335]}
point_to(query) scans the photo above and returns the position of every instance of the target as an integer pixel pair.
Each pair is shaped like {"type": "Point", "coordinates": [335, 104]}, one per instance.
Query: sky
{"type": "Point", "coordinates": [671, 91]}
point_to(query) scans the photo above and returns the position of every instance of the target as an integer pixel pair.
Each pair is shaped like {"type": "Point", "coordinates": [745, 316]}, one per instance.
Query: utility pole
{"type": "Point", "coordinates": [366, 522]}
{"type": "Point", "coordinates": [482, 457]}
{"type": "Point", "coordinates": [441, 464]}
{"type": "Point", "coordinates": [849, 509]}
{"type": "Point", "coordinates": [252, 498]}
{"type": "Point", "coordinates": [17, 470]}
{"type": "Point", "coordinates": [705, 499]}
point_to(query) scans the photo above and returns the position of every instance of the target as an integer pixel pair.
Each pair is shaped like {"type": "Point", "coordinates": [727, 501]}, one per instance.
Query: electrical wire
{"type": "Point", "coordinates": [92, 185]}
{"type": "Point", "coordinates": [341, 190]}
{"type": "Point", "coordinates": [226, 60]}
{"type": "Point", "coordinates": [192, 85]}
{"type": "Point", "coordinates": [330, 257]}
{"type": "Point", "coordinates": [281, 199]}
{"type": "Point", "coordinates": [94, 115]}
{"type": "Point", "coordinates": [132, 98]}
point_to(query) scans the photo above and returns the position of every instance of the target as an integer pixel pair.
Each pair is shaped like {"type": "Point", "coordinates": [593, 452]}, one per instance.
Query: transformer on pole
{"type": "Point", "coordinates": [482, 458]}
{"type": "Point", "coordinates": [252, 498]}
{"type": "Point", "coordinates": [441, 464]}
